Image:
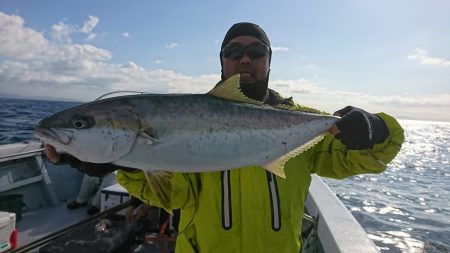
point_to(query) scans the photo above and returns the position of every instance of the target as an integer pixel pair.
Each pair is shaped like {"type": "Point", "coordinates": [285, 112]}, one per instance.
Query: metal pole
{"type": "Point", "coordinates": [310, 218]}
{"type": "Point", "coordinates": [22, 153]}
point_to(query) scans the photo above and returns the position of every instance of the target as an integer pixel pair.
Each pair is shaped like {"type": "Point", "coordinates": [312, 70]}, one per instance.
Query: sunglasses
{"type": "Point", "coordinates": [254, 51]}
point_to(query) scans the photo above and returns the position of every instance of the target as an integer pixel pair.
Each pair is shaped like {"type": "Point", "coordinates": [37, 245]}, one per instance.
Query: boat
{"type": "Point", "coordinates": [45, 221]}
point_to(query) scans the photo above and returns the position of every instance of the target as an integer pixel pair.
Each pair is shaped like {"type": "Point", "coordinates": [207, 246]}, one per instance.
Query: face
{"type": "Point", "coordinates": [252, 70]}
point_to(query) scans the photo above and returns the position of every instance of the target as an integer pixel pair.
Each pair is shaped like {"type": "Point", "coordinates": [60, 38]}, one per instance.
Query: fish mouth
{"type": "Point", "coordinates": [58, 135]}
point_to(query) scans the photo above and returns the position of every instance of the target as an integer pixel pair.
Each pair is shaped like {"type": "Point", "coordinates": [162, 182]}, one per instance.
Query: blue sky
{"type": "Point", "coordinates": [390, 56]}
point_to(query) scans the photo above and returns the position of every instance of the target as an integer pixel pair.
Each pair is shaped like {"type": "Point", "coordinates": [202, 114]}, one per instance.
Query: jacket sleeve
{"type": "Point", "coordinates": [180, 191]}
{"type": "Point", "coordinates": [330, 158]}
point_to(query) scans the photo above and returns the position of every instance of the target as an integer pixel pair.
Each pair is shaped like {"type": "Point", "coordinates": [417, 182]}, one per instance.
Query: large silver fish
{"type": "Point", "coordinates": [184, 132]}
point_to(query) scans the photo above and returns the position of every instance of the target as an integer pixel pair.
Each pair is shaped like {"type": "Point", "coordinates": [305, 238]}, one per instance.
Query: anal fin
{"type": "Point", "coordinates": [277, 166]}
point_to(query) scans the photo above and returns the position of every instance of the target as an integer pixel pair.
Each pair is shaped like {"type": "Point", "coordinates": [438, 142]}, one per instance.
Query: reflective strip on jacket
{"type": "Point", "coordinates": [250, 210]}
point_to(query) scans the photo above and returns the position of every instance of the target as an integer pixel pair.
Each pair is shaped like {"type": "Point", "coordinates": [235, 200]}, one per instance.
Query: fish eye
{"type": "Point", "coordinates": [79, 123]}
{"type": "Point", "coordinates": [82, 122]}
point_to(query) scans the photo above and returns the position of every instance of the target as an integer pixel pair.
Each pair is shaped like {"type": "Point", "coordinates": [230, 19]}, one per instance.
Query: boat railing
{"type": "Point", "coordinates": [21, 154]}
{"type": "Point", "coordinates": [337, 229]}
{"type": "Point", "coordinates": [27, 152]}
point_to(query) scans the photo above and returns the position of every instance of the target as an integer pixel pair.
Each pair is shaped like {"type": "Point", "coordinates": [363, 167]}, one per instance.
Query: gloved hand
{"type": "Point", "coordinates": [92, 169]}
{"type": "Point", "coordinates": [359, 129]}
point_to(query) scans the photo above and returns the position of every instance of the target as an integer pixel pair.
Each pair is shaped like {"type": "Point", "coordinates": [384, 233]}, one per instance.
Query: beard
{"type": "Point", "coordinates": [256, 90]}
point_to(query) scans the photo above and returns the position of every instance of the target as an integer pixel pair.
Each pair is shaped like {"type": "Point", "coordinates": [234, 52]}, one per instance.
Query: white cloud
{"type": "Point", "coordinates": [90, 24]}
{"type": "Point", "coordinates": [17, 41]}
{"type": "Point", "coordinates": [172, 45]}
{"type": "Point", "coordinates": [35, 66]}
{"type": "Point", "coordinates": [126, 35]}
{"type": "Point", "coordinates": [91, 36]}
{"type": "Point", "coordinates": [158, 61]}
{"type": "Point", "coordinates": [280, 49]}
{"type": "Point", "coordinates": [422, 57]}
{"type": "Point", "coordinates": [430, 107]}
{"type": "Point", "coordinates": [61, 32]}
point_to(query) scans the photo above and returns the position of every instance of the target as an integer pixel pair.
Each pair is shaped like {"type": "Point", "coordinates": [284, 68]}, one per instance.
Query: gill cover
{"type": "Point", "coordinates": [115, 130]}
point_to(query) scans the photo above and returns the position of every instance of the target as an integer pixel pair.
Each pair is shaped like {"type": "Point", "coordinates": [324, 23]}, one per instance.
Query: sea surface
{"type": "Point", "coordinates": [404, 209]}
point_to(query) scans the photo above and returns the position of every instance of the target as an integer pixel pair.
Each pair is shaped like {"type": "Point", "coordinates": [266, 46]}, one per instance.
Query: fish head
{"type": "Point", "coordinates": [97, 132]}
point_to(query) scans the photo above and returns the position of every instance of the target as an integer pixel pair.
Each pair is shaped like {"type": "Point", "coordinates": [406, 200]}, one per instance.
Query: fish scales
{"type": "Point", "coordinates": [208, 133]}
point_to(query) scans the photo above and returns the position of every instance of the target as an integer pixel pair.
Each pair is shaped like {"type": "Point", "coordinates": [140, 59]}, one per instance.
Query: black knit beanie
{"type": "Point", "coordinates": [245, 28]}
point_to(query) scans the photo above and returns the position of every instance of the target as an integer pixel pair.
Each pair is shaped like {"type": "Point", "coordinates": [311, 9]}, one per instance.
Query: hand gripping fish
{"type": "Point", "coordinates": [219, 130]}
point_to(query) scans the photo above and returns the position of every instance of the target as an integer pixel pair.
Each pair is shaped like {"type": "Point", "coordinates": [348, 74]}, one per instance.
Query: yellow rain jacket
{"type": "Point", "coordinates": [250, 210]}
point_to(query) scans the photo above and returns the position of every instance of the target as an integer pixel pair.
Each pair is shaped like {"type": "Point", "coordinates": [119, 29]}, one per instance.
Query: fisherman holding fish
{"type": "Point", "coordinates": [237, 165]}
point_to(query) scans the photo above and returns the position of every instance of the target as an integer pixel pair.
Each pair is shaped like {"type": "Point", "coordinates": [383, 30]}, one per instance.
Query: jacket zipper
{"type": "Point", "coordinates": [226, 200]}
{"type": "Point", "coordinates": [274, 201]}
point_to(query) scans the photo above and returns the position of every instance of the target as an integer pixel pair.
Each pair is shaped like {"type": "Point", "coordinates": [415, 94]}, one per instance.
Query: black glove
{"type": "Point", "coordinates": [359, 129]}
{"type": "Point", "coordinates": [92, 169]}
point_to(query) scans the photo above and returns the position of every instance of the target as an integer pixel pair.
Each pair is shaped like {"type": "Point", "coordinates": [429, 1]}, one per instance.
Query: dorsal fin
{"type": "Point", "coordinates": [304, 108]}
{"type": "Point", "coordinates": [230, 90]}
{"type": "Point", "coordinates": [286, 107]}
{"type": "Point", "coordinates": [277, 166]}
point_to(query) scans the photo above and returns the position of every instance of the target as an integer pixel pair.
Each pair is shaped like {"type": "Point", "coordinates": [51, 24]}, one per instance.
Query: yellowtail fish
{"type": "Point", "coordinates": [219, 130]}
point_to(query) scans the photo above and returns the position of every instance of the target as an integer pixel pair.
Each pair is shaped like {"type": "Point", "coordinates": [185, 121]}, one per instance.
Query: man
{"type": "Point", "coordinates": [90, 191]}
{"type": "Point", "coordinates": [249, 209]}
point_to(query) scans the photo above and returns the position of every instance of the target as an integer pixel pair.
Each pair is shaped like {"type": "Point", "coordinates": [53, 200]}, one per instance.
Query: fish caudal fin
{"type": "Point", "coordinates": [277, 166]}
{"type": "Point", "coordinates": [230, 89]}
{"type": "Point", "coordinates": [161, 186]}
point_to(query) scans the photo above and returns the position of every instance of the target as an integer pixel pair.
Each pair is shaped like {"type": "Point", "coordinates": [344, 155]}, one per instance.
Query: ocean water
{"type": "Point", "coordinates": [407, 207]}
{"type": "Point", "coordinates": [404, 209]}
{"type": "Point", "coordinates": [19, 116]}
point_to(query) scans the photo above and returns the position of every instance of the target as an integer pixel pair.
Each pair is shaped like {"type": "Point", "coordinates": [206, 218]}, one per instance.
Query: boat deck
{"type": "Point", "coordinates": [41, 222]}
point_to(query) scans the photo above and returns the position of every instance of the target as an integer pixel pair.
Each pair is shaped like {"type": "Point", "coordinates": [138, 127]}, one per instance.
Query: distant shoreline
{"type": "Point", "coordinates": [17, 97]}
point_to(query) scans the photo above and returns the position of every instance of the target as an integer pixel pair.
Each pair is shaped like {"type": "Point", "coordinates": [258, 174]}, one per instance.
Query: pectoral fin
{"type": "Point", "coordinates": [149, 135]}
{"type": "Point", "coordinates": [161, 186]}
{"type": "Point", "coordinates": [277, 166]}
